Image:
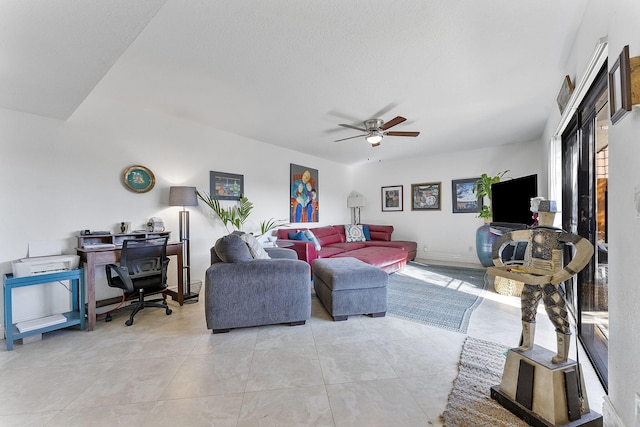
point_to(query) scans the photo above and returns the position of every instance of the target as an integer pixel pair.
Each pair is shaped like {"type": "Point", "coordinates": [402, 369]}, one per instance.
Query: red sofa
{"type": "Point", "coordinates": [380, 251]}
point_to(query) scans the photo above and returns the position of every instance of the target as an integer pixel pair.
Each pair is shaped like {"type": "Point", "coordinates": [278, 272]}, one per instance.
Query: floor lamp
{"type": "Point", "coordinates": [355, 201]}
{"type": "Point", "coordinates": [185, 196]}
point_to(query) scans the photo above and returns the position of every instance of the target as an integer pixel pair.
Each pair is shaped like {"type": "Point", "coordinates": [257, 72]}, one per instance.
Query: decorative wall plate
{"type": "Point", "coordinates": [138, 178]}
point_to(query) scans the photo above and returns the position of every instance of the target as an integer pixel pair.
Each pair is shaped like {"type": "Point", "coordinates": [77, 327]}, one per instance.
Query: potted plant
{"type": "Point", "coordinates": [484, 237]}
{"type": "Point", "coordinates": [236, 216]}
{"type": "Point", "coordinates": [482, 188]}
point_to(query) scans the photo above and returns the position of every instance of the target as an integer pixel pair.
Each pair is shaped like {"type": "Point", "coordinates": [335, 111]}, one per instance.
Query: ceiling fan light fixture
{"type": "Point", "coordinates": [376, 129]}
{"type": "Point", "coordinates": [374, 138]}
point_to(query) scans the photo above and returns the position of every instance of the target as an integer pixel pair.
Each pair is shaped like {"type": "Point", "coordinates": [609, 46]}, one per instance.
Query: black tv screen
{"type": "Point", "coordinates": [511, 200]}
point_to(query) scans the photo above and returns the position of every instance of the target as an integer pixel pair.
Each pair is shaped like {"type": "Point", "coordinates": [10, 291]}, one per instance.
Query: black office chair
{"type": "Point", "coordinates": [142, 271]}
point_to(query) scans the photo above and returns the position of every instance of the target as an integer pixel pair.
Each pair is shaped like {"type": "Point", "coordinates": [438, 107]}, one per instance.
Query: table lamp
{"type": "Point", "coordinates": [355, 201]}
{"type": "Point", "coordinates": [185, 196]}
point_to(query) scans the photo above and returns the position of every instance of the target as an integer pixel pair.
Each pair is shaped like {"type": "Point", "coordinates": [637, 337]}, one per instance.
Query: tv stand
{"type": "Point", "coordinates": [501, 228]}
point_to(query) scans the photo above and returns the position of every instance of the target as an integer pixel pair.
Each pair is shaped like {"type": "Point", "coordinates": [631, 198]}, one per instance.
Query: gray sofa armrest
{"type": "Point", "coordinates": [258, 292]}
{"type": "Point", "coordinates": [278, 253]}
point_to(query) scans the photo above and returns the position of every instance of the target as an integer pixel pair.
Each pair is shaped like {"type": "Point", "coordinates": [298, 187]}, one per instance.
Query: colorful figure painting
{"type": "Point", "coordinates": [304, 198]}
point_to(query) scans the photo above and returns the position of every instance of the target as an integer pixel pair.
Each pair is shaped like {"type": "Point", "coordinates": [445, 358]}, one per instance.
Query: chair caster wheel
{"type": "Point", "coordinates": [108, 318]}
{"type": "Point", "coordinates": [129, 322]}
{"type": "Point", "coordinates": [168, 311]}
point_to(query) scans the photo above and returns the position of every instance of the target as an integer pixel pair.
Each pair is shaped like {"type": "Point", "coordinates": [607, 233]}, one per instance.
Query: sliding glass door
{"type": "Point", "coordinates": [584, 212]}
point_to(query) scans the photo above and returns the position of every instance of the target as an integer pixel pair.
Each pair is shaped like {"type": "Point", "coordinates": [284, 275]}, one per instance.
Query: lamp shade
{"type": "Point", "coordinates": [355, 200]}
{"type": "Point", "coordinates": [183, 196]}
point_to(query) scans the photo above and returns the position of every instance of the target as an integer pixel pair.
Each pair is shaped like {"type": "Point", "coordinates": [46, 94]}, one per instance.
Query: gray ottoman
{"type": "Point", "coordinates": [348, 286]}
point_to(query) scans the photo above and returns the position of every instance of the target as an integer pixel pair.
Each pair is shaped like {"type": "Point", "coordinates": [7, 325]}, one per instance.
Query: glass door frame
{"type": "Point", "coordinates": [579, 213]}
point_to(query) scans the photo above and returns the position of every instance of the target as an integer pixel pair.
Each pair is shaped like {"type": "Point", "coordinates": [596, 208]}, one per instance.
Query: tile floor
{"type": "Point", "coordinates": [171, 371]}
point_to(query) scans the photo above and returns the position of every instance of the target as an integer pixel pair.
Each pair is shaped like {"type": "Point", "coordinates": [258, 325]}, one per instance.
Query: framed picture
{"type": "Point", "coordinates": [392, 198]}
{"type": "Point", "coordinates": [226, 186]}
{"type": "Point", "coordinates": [620, 87]}
{"type": "Point", "coordinates": [426, 196]}
{"type": "Point", "coordinates": [138, 178]}
{"type": "Point", "coordinates": [465, 199]}
{"type": "Point", "coordinates": [304, 194]}
{"type": "Point", "coordinates": [565, 93]}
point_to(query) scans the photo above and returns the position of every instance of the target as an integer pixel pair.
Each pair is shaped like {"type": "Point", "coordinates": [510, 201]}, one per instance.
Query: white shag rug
{"type": "Point", "coordinates": [470, 403]}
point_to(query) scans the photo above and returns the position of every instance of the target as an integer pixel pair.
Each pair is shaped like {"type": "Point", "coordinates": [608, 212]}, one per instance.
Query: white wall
{"type": "Point", "coordinates": [624, 232]}
{"type": "Point", "coordinates": [447, 236]}
{"type": "Point", "coordinates": [617, 20]}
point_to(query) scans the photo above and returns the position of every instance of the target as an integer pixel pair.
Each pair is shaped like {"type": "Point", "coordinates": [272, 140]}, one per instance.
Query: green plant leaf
{"type": "Point", "coordinates": [236, 216]}
{"type": "Point", "coordinates": [270, 224]}
{"type": "Point", "coordinates": [482, 188]}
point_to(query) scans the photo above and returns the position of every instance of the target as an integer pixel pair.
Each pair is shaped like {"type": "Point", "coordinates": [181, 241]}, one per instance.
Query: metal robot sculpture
{"type": "Point", "coordinates": [542, 272]}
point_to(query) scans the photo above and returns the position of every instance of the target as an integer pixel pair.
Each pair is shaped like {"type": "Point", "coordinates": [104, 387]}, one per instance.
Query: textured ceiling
{"type": "Point", "coordinates": [466, 74]}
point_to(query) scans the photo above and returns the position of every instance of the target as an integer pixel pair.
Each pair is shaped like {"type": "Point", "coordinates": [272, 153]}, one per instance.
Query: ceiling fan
{"type": "Point", "coordinates": [375, 129]}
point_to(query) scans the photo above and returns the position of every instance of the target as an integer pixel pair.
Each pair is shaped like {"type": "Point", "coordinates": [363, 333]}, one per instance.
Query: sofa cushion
{"type": "Point", "coordinates": [332, 250]}
{"type": "Point", "coordinates": [327, 235]}
{"type": "Point", "coordinates": [410, 247]}
{"type": "Point", "coordinates": [354, 233]}
{"type": "Point", "coordinates": [214, 256]}
{"type": "Point", "coordinates": [367, 232]}
{"type": "Point", "coordinates": [231, 248]}
{"type": "Point", "coordinates": [378, 256]}
{"type": "Point", "coordinates": [312, 237]}
{"type": "Point", "coordinates": [381, 232]}
{"type": "Point", "coordinates": [340, 230]}
{"type": "Point", "coordinates": [256, 249]}
{"type": "Point", "coordinates": [298, 235]}
{"type": "Point", "coordinates": [350, 246]}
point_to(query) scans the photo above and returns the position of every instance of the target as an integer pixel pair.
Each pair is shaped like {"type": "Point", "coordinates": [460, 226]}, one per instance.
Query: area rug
{"type": "Point", "coordinates": [470, 403]}
{"type": "Point", "coordinates": [435, 295]}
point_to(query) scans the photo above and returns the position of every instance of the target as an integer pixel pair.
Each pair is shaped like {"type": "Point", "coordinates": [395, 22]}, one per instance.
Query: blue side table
{"type": "Point", "coordinates": [74, 317]}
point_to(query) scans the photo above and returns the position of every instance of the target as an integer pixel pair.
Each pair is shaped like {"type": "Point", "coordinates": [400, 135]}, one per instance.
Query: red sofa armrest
{"type": "Point", "coordinates": [306, 250]}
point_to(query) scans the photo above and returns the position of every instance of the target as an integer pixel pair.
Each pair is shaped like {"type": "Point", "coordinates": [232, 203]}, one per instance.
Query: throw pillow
{"type": "Point", "coordinates": [367, 232]}
{"type": "Point", "coordinates": [354, 233]}
{"type": "Point", "coordinates": [256, 249]}
{"type": "Point", "coordinates": [312, 237]}
{"type": "Point", "coordinates": [298, 236]}
{"type": "Point", "coordinates": [214, 256]}
{"type": "Point", "coordinates": [231, 248]}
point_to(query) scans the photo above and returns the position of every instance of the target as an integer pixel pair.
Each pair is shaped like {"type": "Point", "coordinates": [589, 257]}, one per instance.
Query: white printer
{"type": "Point", "coordinates": [34, 266]}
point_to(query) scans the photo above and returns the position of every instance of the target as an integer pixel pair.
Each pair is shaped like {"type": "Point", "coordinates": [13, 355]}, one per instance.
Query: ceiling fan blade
{"type": "Point", "coordinates": [351, 137]}
{"type": "Point", "coordinates": [392, 122]}
{"type": "Point", "coordinates": [353, 127]}
{"type": "Point", "coordinates": [392, 133]}
{"type": "Point", "coordinates": [385, 110]}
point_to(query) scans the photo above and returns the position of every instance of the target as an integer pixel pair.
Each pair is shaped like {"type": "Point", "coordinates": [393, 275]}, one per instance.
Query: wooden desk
{"type": "Point", "coordinates": [93, 257]}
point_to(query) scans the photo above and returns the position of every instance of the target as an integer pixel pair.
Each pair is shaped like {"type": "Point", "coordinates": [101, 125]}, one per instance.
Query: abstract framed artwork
{"type": "Point", "coordinates": [392, 198]}
{"type": "Point", "coordinates": [304, 194]}
{"type": "Point", "coordinates": [464, 198]}
{"type": "Point", "coordinates": [226, 186]}
{"type": "Point", "coordinates": [426, 196]}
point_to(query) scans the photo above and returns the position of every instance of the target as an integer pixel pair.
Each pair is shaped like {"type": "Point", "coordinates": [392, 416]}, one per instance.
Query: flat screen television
{"type": "Point", "coordinates": [511, 200]}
